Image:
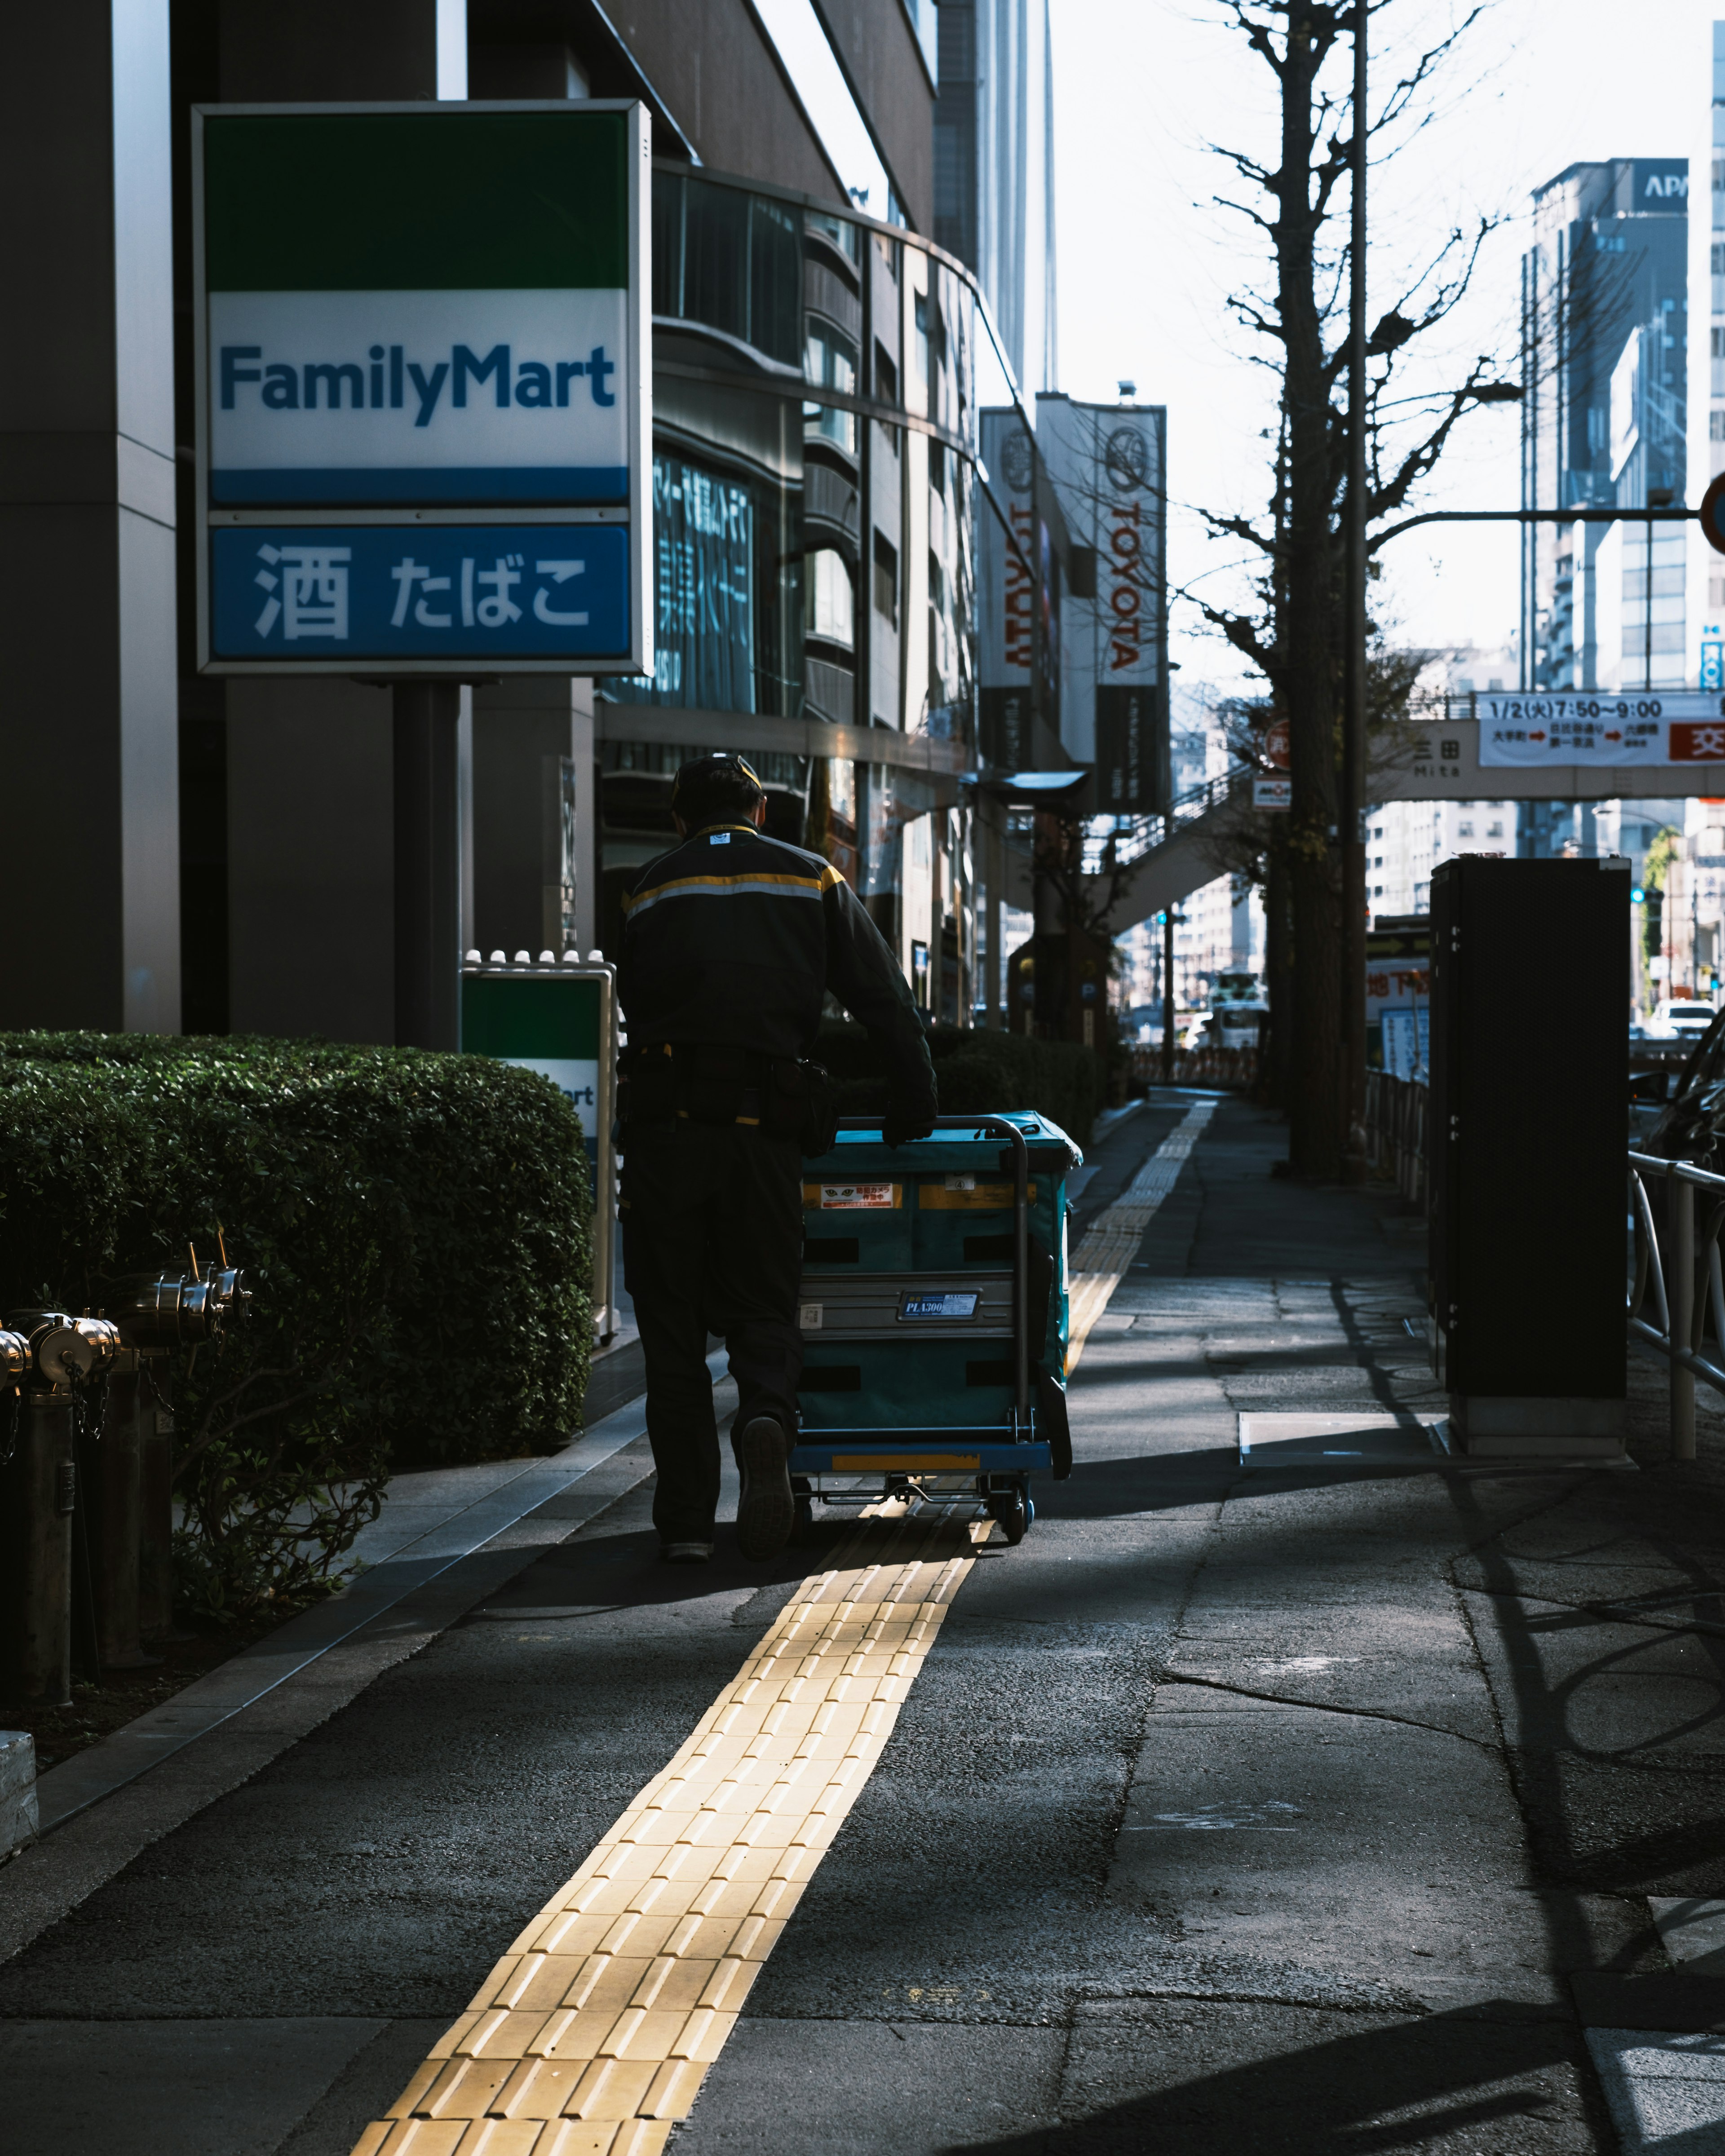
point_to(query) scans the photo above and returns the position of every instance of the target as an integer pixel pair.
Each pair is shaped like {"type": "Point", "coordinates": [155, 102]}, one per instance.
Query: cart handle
{"type": "Point", "coordinates": [1020, 1235]}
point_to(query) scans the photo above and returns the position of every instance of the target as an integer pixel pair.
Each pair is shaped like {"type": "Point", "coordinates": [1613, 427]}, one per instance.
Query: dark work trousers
{"type": "Point", "coordinates": [712, 1242]}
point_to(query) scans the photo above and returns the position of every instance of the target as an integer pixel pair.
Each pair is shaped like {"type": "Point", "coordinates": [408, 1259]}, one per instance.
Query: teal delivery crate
{"type": "Point", "coordinates": [934, 1315]}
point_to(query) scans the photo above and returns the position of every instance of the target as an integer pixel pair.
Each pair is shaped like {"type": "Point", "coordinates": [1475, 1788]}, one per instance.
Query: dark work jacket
{"type": "Point", "coordinates": [732, 937]}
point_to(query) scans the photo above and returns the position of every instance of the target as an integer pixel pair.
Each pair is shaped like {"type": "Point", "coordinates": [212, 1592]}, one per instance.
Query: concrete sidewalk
{"type": "Point", "coordinates": [1302, 1803]}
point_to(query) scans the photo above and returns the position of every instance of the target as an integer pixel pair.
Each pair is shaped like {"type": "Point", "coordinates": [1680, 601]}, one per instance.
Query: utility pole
{"type": "Point", "coordinates": [1353, 832]}
{"type": "Point", "coordinates": [1167, 997]}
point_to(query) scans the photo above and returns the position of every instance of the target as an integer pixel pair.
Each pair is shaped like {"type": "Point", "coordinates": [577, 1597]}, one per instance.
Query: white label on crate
{"type": "Point", "coordinates": [960, 1182]}
{"type": "Point", "coordinates": [809, 1317]}
{"type": "Point", "coordinates": [939, 1306]}
{"type": "Point", "coordinates": [852, 1197]}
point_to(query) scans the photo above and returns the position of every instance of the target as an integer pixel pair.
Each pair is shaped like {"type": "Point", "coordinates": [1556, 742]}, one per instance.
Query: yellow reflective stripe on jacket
{"type": "Point", "coordinates": [718, 886]}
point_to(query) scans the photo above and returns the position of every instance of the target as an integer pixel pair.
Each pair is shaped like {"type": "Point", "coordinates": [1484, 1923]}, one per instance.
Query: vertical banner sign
{"type": "Point", "coordinates": [1107, 462]}
{"type": "Point", "coordinates": [424, 412]}
{"type": "Point", "coordinates": [1006, 595]}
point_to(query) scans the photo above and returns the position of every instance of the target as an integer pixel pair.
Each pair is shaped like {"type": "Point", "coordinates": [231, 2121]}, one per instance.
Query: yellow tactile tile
{"type": "Point", "coordinates": [592, 2034]}
{"type": "Point", "coordinates": [501, 2137]}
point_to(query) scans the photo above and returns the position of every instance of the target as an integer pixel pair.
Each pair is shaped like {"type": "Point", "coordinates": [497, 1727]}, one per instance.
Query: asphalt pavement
{"type": "Point", "coordinates": [1311, 1803]}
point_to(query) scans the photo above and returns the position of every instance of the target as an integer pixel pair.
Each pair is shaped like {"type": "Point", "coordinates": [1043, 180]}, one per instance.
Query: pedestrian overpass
{"type": "Point", "coordinates": [1165, 858]}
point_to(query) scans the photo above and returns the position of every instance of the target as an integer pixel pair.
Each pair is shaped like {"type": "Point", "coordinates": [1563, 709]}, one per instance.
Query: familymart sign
{"type": "Point", "coordinates": [423, 406]}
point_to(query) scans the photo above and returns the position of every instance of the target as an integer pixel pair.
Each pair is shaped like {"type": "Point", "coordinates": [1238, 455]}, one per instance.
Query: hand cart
{"type": "Point", "coordinates": [934, 1317]}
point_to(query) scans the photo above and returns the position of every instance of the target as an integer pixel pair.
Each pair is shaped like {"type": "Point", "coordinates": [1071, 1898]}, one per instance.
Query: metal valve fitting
{"type": "Point", "coordinates": [14, 1359]}
{"type": "Point", "coordinates": [63, 1350]}
{"type": "Point", "coordinates": [171, 1309]}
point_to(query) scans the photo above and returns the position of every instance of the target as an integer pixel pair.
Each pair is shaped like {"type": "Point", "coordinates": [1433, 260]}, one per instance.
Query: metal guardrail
{"type": "Point", "coordinates": [1227, 1070]}
{"type": "Point", "coordinates": [1395, 1126]}
{"type": "Point", "coordinates": [1682, 1314]}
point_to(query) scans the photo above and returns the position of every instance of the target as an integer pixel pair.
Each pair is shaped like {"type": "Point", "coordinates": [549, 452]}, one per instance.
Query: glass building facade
{"type": "Point", "coordinates": [1604, 337]}
{"type": "Point", "coordinates": [814, 503]}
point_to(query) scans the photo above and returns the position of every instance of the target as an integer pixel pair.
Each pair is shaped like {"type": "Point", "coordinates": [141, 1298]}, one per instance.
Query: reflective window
{"type": "Point", "coordinates": [721, 591]}
{"type": "Point", "coordinates": [808, 563]}
{"type": "Point", "coordinates": [730, 260]}
{"type": "Point", "coordinates": [832, 604]}
{"type": "Point", "coordinates": [829, 362]}
{"type": "Point", "coordinates": [843, 234]}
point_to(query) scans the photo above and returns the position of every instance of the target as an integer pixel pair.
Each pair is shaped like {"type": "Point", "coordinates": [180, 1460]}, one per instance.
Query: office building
{"type": "Point", "coordinates": [1605, 330]}
{"type": "Point", "coordinates": [1705, 609]}
{"type": "Point", "coordinates": [995, 173]}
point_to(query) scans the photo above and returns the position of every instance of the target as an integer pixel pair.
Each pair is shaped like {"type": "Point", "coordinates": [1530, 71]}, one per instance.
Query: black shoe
{"type": "Point", "coordinates": [684, 1552]}
{"type": "Point", "coordinates": [767, 1511]}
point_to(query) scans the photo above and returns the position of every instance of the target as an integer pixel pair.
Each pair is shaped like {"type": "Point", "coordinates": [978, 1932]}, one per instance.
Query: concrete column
{"type": "Point", "coordinates": [311, 859]}
{"type": "Point", "coordinates": [528, 730]}
{"type": "Point", "coordinates": [428, 864]}
{"type": "Point", "coordinates": [334, 791]}
{"type": "Point", "coordinates": [90, 871]}
{"type": "Point", "coordinates": [583, 748]}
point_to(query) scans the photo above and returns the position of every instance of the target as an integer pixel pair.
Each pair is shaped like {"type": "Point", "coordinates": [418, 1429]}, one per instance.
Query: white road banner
{"type": "Point", "coordinates": [1603, 727]}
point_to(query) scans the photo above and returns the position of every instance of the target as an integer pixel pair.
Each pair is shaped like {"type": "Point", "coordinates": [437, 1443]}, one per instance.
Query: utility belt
{"type": "Point", "coordinates": [699, 1082]}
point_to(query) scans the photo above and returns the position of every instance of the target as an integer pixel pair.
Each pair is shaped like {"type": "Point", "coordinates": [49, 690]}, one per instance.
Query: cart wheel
{"type": "Point", "coordinates": [1014, 1512]}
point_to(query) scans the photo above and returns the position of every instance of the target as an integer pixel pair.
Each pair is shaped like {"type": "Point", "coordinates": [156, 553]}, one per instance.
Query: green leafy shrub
{"type": "Point", "coordinates": [978, 1071]}
{"type": "Point", "coordinates": [415, 1227]}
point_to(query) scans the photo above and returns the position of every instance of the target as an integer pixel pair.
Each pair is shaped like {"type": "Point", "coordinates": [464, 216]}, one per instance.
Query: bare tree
{"type": "Point", "coordinates": [1293, 632]}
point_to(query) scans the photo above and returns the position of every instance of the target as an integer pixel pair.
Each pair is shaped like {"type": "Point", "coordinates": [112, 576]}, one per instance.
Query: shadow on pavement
{"type": "Point", "coordinates": [1400, 2085]}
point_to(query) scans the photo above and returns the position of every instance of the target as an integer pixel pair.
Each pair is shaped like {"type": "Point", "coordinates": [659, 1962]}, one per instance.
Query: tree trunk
{"type": "Point", "coordinates": [1314, 1077]}
{"type": "Point", "coordinates": [1279, 981]}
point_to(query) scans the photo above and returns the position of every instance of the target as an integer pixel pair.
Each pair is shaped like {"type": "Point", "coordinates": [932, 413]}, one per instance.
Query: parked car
{"type": "Point", "coordinates": [1677, 1018]}
{"type": "Point", "coordinates": [1691, 1125]}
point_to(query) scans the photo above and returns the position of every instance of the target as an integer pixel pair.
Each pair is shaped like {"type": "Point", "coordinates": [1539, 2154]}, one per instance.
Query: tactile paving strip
{"type": "Point", "coordinates": [1112, 1241]}
{"type": "Point", "coordinates": [593, 2035]}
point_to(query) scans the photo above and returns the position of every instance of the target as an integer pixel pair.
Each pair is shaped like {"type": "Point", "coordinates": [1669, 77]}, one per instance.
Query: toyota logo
{"type": "Point", "coordinates": [1126, 455]}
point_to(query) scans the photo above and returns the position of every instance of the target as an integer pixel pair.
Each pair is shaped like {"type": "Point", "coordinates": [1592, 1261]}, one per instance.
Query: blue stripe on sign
{"type": "Point", "coordinates": [283, 593]}
{"type": "Point", "coordinates": [384, 486]}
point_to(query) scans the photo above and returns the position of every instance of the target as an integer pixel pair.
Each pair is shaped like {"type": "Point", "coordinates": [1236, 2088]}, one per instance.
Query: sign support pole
{"type": "Point", "coordinates": [427, 865]}
{"type": "Point", "coordinates": [1353, 832]}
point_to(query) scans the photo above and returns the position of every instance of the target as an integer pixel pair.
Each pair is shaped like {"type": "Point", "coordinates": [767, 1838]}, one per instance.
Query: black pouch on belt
{"type": "Point", "coordinates": [646, 1085]}
{"type": "Point", "coordinates": [820, 1110]}
{"type": "Point", "coordinates": [784, 1096]}
{"type": "Point", "coordinates": [712, 1080]}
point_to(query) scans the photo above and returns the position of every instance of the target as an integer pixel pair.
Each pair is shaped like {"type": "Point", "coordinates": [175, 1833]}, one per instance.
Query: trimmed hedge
{"type": "Point", "coordinates": [415, 1227]}
{"type": "Point", "coordinates": [978, 1071]}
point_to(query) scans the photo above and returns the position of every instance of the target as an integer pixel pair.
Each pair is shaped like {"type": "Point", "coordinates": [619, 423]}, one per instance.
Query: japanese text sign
{"type": "Point", "coordinates": [424, 409]}
{"type": "Point", "coordinates": [1603, 727]}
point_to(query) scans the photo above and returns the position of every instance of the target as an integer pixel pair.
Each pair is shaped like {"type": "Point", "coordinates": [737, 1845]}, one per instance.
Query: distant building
{"type": "Point", "coordinates": [994, 169]}
{"type": "Point", "coordinates": [1706, 606]}
{"type": "Point", "coordinates": [1605, 330]}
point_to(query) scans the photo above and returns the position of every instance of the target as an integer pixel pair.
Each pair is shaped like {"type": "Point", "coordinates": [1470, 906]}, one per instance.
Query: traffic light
{"type": "Point", "coordinates": [1638, 897]}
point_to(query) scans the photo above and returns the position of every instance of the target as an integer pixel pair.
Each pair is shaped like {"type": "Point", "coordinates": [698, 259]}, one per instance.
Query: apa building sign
{"type": "Point", "coordinates": [424, 413]}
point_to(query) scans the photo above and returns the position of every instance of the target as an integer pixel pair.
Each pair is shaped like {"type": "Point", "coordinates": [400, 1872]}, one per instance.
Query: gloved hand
{"type": "Point", "coordinates": [904, 1123]}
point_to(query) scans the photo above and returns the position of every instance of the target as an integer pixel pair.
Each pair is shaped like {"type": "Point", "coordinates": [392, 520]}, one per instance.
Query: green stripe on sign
{"type": "Point", "coordinates": [539, 1019]}
{"type": "Point", "coordinates": [386, 202]}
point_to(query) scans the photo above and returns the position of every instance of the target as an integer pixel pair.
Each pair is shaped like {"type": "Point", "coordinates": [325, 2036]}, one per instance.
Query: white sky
{"type": "Point", "coordinates": [1145, 261]}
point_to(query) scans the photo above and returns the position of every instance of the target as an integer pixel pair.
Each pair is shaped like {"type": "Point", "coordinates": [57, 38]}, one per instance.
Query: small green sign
{"type": "Point", "coordinates": [552, 1026]}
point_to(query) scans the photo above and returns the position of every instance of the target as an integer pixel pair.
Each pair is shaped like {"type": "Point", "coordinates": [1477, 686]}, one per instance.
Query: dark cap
{"type": "Point", "coordinates": [728, 778]}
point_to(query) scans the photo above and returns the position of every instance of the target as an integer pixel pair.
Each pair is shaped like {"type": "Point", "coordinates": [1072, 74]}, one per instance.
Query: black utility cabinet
{"type": "Point", "coordinates": [1529, 1077]}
